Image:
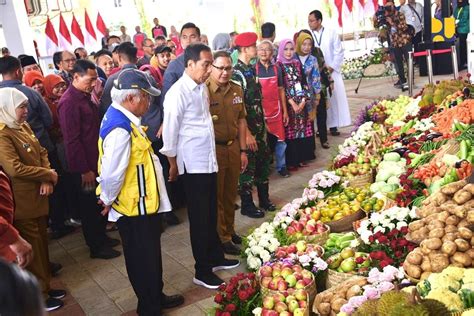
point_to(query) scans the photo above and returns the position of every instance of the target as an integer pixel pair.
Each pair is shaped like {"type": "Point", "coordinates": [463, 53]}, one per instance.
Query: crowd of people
{"type": "Point", "coordinates": [145, 126]}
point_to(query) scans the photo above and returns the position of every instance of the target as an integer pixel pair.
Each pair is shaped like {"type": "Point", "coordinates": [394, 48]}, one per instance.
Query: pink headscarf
{"type": "Point", "coordinates": [281, 51]}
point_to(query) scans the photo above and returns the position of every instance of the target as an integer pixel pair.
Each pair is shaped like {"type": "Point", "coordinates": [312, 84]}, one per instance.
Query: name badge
{"type": "Point", "coordinates": [237, 100]}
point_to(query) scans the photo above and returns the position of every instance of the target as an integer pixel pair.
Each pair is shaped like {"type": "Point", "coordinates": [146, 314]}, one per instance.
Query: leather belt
{"type": "Point", "coordinates": [226, 143]}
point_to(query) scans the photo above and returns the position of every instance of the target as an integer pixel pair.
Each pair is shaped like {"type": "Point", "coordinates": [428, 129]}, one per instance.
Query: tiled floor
{"type": "Point", "coordinates": [101, 287]}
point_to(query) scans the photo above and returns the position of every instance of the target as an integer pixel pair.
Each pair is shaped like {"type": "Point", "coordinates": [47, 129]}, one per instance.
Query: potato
{"type": "Point", "coordinates": [324, 308]}
{"type": "Point", "coordinates": [412, 270]}
{"type": "Point", "coordinates": [462, 258]}
{"type": "Point", "coordinates": [439, 198]}
{"type": "Point", "coordinates": [426, 264]}
{"type": "Point", "coordinates": [425, 275]}
{"type": "Point", "coordinates": [415, 225]}
{"type": "Point", "coordinates": [470, 253]}
{"type": "Point", "coordinates": [439, 262]}
{"type": "Point", "coordinates": [353, 291]}
{"type": "Point", "coordinates": [414, 258]}
{"type": "Point", "coordinates": [469, 187]}
{"type": "Point", "coordinates": [449, 247]}
{"type": "Point", "coordinates": [432, 243]}
{"type": "Point", "coordinates": [462, 244]}
{"type": "Point", "coordinates": [460, 211]}
{"type": "Point", "coordinates": [465, 233]}
{"type": "Point", "coordinates": [472, 241]}
{"type": "Point", "coordinates": [452, 220]}
{"type": "Point", "coordinates": [430, 219]}
{"type": "Point", "coordinates": [326, 296]}
{"type": "Point", "coordinates": [436, 233]}
{"type": "Point", "coordinates": [454, 187]}
{"type": "Point", "coordinates": [337, 304]}
{"type": "Point", "coordinates": [462, 197]}
{"type": "Point", "coordinates": [451, 228]}
{"type": "Point", "coordinates": [470, 217]}
{"type": "Point", "coordinates": [448, 206]}
{"type": "Point", "coordinates": [463, 223]}
{"type": "Point", "coordinates": [456, 264]}
{"type": "Point", "coordinates": [437, 224]}
{"type": "Point", "coordinates": [450, 236]}
{"type": "Point", "coordinates": [426, 251]}
{"type": "Point", "coordinates": [443, 216]}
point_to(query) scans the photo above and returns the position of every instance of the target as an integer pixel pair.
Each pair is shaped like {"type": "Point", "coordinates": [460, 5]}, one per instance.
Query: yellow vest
{"type": "Point", "coordinates": [139, 193]}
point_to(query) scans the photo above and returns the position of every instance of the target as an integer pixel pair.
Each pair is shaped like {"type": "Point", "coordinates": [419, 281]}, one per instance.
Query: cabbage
{"type": "Point", "coordinates": [393, 180]}
{"type": "Point", "coordinates": [391, 157]}
{"type": "Point", "coordinates": [383, 175]}
{"type": "Point", "coordinates": [376, 187]}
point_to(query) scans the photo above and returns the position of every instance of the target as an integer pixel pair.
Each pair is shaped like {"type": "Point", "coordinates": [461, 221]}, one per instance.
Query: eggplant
{"type": "Point", "coordinates": [433, 136]}
{"type": "Point", "coordinates": [466, 92]}
{"type": "Point", "coordinates": [401, 151]}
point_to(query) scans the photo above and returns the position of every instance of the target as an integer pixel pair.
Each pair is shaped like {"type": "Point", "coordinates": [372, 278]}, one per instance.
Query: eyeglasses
{"type": "Point", "coordinates": [226, 69]}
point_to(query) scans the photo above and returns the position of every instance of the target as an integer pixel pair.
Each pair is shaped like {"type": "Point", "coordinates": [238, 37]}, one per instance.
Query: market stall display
{"type": "Point", "coordinates": [391, 221]}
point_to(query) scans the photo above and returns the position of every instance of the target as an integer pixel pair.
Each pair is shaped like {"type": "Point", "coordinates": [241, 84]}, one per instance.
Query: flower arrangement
{"type": "Point", "coordinates": [239, 296]}
{"type": "Point", "coordinates": [424, 125]}
{"type": "Point", "coordinates": [379, 283]}
{"type": "Point", "coordinates": [259, 245]}
{"type": "Point", "coordinates": [325, 182]}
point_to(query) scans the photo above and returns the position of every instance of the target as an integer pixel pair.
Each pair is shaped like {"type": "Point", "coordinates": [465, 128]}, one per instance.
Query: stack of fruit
{"type": "Point", "coordinates": [355, 169]}
{"type": "Point", "coordinates": [338, 241]}
{"type": "Point", "coordinates": [308, 228]}
{"type": "Point", "coordinates": [349, 261]}
{"type": "Point", "coordinates": [288, 303]}
{"type": "Point", "coordinates": [299, 248]}
{"type": "Point", "coordinates": [281, 276]}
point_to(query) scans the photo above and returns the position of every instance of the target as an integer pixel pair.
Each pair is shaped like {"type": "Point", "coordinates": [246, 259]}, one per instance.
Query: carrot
{"type": "Point", "coordinates": [463, 112]}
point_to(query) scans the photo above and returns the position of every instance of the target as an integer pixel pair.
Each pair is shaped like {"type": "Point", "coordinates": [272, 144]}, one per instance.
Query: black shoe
{"type": "Point", "coordinates": [170, 301]}
{"type": "Point", "coordinates": [230, 249]}
{"type": "Point", "coordinates": [335, 133]}
{"type": "Point", "coordinates": [105, 253]}
{"type": "Point", "coordinates": [325, 145]}
{"type": "Point", "coordinates": [226, 264]}
{"type": "Point", "coordinates": [57, 294]}
{"type": "Point", "coordinates": [209, 281]}
{"type": "Point", "coordinates": [52, 304]}
{"type": "Point", "coordinates": [55, 268]}
{"type": "Point", "coordinates": [263, 198]}
{"type": "Point", "coordinates": [396, 84]}
{"type": "Point", "coordinates": [284, 173]}
{"type": "Point", "coordinates": [248, 208]}
{"type": "Point", "coordinates": [236, 239]}
{"type": "Point", "coordinates": [63, 231]}
{"type": "Point", "coordinates": [111, 242]}
{"type": "Point", "coordinates": [171, 218]}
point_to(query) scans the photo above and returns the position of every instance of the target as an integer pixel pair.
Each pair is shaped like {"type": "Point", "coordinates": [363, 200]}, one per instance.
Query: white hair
{"type": "Point", "coordinates": [118, 96]}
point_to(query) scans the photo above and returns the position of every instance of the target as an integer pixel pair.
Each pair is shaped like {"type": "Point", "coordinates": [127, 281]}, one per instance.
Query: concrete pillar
{"type": "Point", "coordinates": [16, 27]}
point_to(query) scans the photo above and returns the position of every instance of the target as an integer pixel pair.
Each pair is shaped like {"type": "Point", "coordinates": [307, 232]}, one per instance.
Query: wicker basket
{"type": "Point", "coordinates": [310, 289]}
{"type": "Point", "coordinates": [362, 180]}
{"type": "Point", "coordinates": [412, 280]}
{"type": "Point", "coordinates": [345, 224]}
{"type": "Point", "coordinates": [335, 278]}
{"type": "Point", "coordinates": [319, 239]}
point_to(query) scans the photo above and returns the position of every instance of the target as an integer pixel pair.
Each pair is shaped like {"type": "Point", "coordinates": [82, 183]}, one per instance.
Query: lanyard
{"type": "Point", "coordinates": [320, 37]}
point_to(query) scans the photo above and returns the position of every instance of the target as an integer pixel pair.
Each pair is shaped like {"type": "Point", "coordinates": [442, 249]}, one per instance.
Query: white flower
{"type": "Point", "coordinates": [257, 311]}
{"type": "Point", "coordinates": [401, 224]}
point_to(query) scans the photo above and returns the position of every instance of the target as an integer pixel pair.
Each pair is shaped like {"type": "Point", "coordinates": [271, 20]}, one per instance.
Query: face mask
{"type": "Point", "coordinates": [111, 47]}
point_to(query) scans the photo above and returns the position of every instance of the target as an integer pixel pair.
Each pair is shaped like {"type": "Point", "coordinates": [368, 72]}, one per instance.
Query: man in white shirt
{"type": "Point", "coordinates": [189, 143]}
{"type": "Point", "coordinates": [329, 42]}
{"type": "Point", "coordinates": [413, 12]}
{"type": "Point", "coordinates": [125, 155]}
{"type": "Point", "coordinates": [124, 37]}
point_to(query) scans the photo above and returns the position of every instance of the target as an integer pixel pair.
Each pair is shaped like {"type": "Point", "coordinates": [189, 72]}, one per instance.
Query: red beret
{"type": "Point", "coordinates": [246, 39]}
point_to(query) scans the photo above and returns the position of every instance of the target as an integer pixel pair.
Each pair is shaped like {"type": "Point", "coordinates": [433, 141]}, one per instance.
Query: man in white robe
{"type": "Point", "coordinates": [333, 52]}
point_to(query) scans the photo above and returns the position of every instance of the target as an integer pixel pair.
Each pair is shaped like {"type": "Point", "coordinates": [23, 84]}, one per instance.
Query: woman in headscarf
{"type": "Point", "coordinates": [304, 45]}
{"type": "Point", "coordinates": [221, 42]}
{"type": "Point", "coordinates": [298, 132]}
{"type": "Point", "coordinates": [461, 14]}
{"type": "Point", "coordinates": [34, 79]}
{"type": "Point", "coordinates": [27, 165]}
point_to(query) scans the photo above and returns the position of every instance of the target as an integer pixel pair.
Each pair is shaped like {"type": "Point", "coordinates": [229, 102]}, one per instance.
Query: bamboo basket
{"type": "Point", "coordinates": [345, 224]}
{"type": "Point", "coordinates": [362, 180]}
{"type": "Point", "coordinates": [335, 278]}
{"type": "Point", "coordinates": [319, 239]}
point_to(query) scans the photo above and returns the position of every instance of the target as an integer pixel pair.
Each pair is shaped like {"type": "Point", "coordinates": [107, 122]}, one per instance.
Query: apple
{"type": "Point", "coordinates": [301, 295]}
{"type": "Point", "coordinates": [280, 307]}
{"type": "Point", "coordinates": [300, 284]}
{"type": "Point", "coordinates": [303, 304]}
{"type": "Point", "coordinates": [298, 275]}
{"type": "Point", "coordinates": [298, 312]}
{"type": "Point", "coordinates": [310, 229]}
{"type": "Point", "coordinates": [290, 230]}
{"type": "Point", "coordinates": [299, 227]}
{"type": "Point", "coordinates": [286, 271]}
{"type": "Point", "coordinates": [291, 248]}
{"type": "Point", "coordinates": [301, 245]}
{"type": "Point", "coordinates": [307, 274]}
{"type": "Point", "coordinates": [347, 253]}
{"type": "Point", "coordinates": [268, 302]}
{"type": "Point", "coordinates": [290, 298]}
{"type": "Point", "coordinates": [348, 265]}
{"type": "Point", "coordinates": [273, 285]}
{"type": "Point", "coordinates": [285, 313]}
{"type": "Point", "coordinates": [297, 268]}
{"type": "Point", "coordinates": [278, 297]}
{"type": "Point", "coordinates": [269, 312]}
{"type": "Point", "coordinates": [321, 229]}
{"type": "Point", "coordinates": [266, 271]}
{"type": "Point", "coordinates": [282, 285]}
{"type": "Point", "coordinates": [292, 305]}
{"type": "Point", "coordinates": [334, 261]}
{"type": "Point", "coordinates": [276, 271]}
{"type": "Point", "coordinates": [266, 281]}
{"type": "Point", "coordinates": [291, 280]}
{"type": "Point", "coordinates": [316, 215]}
{"type": "Point", "coordinates": [280, 253]}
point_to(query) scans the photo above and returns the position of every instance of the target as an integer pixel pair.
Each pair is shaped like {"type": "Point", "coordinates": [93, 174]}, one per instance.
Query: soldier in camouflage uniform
{"type": "Point", "coordinates": [258, 152]}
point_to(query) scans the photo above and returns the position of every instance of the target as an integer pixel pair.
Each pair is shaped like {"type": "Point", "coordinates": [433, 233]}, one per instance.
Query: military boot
{"type": "Point", "coordinates": [264, 200]}
{"type": "Point", "coordinates": [248, 208]}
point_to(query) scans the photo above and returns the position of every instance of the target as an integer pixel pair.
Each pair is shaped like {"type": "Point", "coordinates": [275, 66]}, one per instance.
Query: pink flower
{"type": "Point", "coordinates": [374, 275]}
{"type": "Point", "coordinates": [347, 308]}
{"type": "Point", "coordinates": [357, 301]}
{"type": "Point", "coordinates": [385, 287]}
{"type": "Point", "coordinates": [371, 293]}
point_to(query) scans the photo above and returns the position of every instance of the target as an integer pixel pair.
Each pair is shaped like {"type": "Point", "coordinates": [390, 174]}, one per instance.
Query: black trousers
{"type": "Point", "coordinates": [462, 49]}
{"type": "Point", "coordinates": [321, 120]}
{"type": "Point", "coordinates": [201, 198]}
{"type": "Point", "coordinates": [142, 251]}
{"type": "Point", "coordinates": [400, 54]}
{"type": "Point", "coordinates": [93, 223]}
{"type": "Point", "coordinates": [175, 189]}
{"type": "Point", "coordinates": [58, 204]}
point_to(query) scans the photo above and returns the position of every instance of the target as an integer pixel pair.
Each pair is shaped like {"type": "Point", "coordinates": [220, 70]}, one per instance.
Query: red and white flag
{"type": "Point", "coordinates": [65, 41]}
{"type": "Point", "coordinates": [339, 6]}
{"type": "Point", "coordinates": [100, 24]}
{"type": "Point", "coordinates": [370, 7]}
{"type": "Point", "coordinates": [76, 30]}
{"type": "Point", "coordinates": [51, 38]}
{"type": "Point", "coordinates": [89, 37]}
